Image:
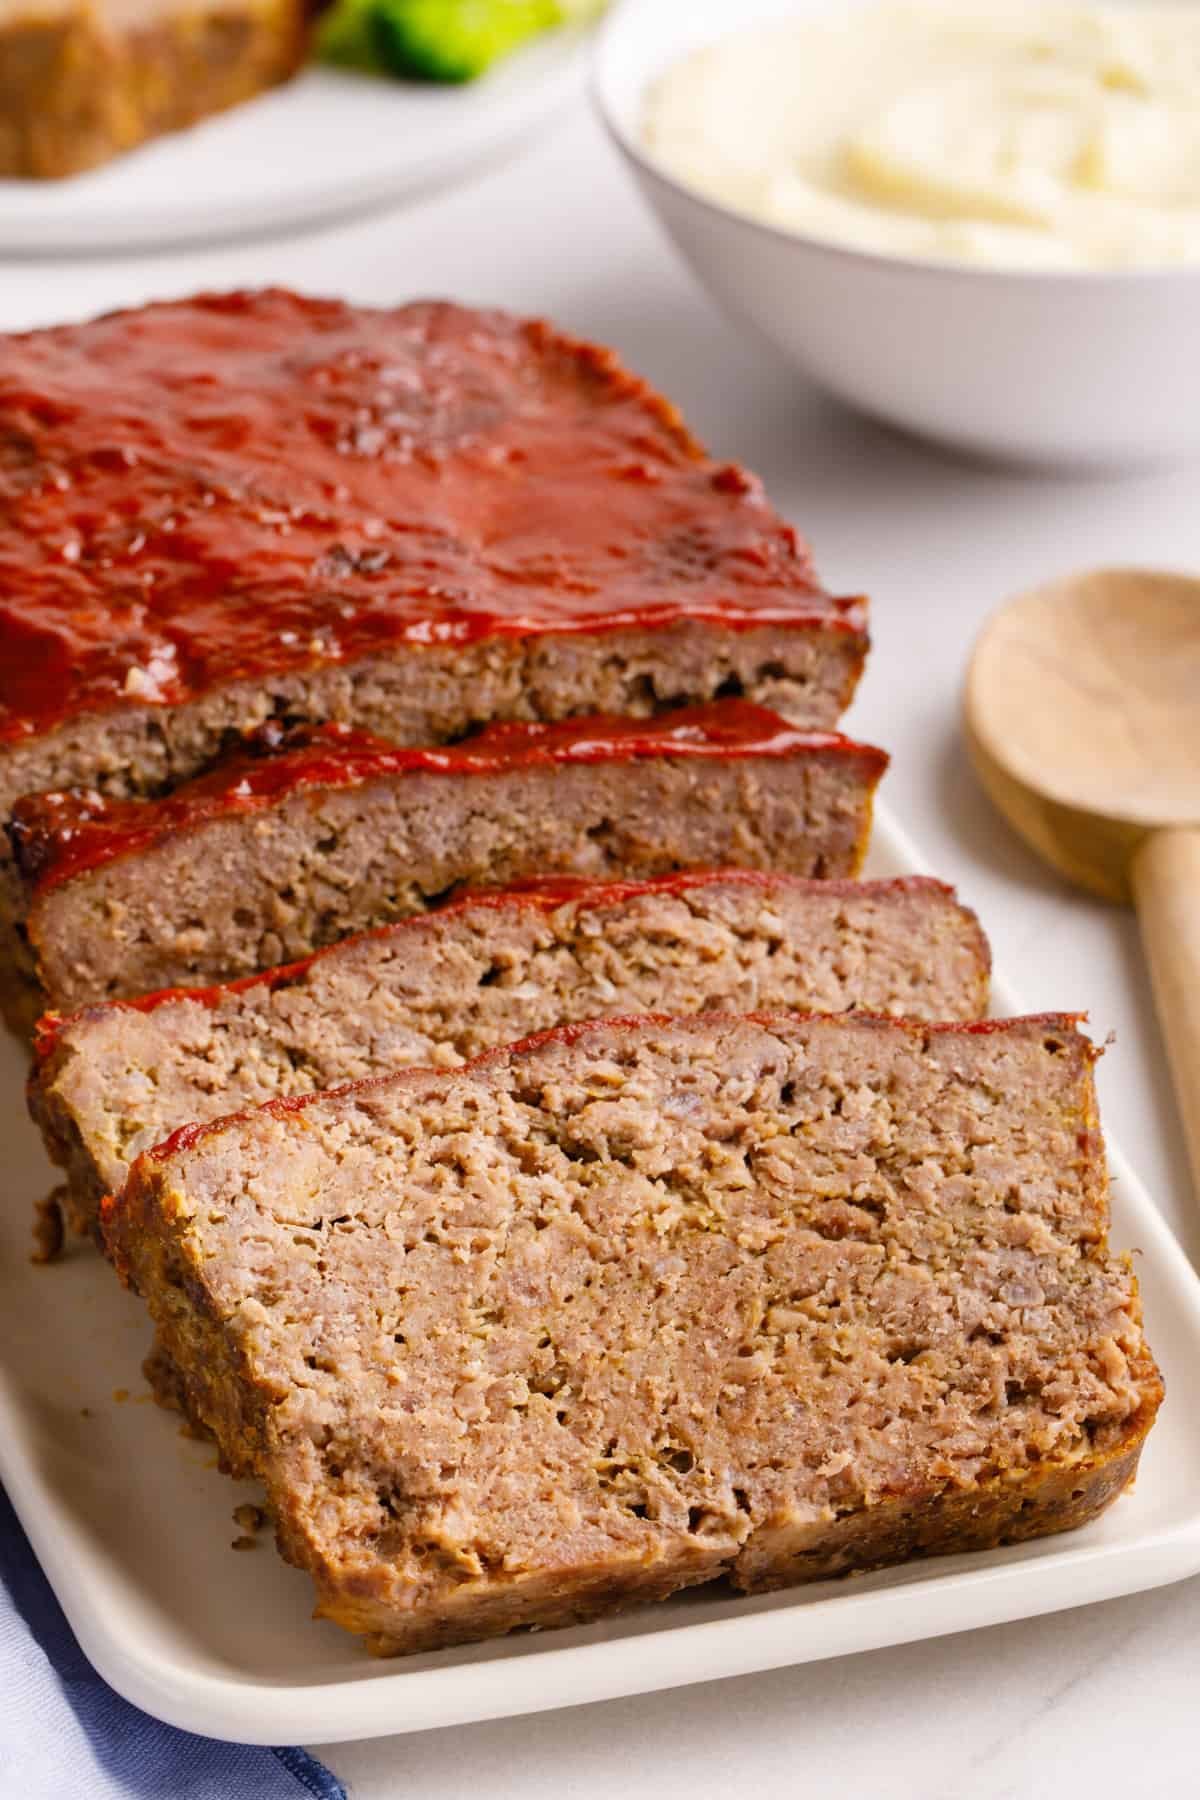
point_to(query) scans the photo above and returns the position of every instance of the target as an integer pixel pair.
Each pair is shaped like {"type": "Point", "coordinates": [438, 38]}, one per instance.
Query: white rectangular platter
{"type": "Point", "coordinates": [133, 1523]}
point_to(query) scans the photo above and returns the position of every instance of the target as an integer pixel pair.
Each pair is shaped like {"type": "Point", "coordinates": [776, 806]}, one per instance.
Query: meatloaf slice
{"type": "Point", "coordinates": [80, 83]}
{"type": "Point", "coordinates": [644, 1302]}
{"type": "Point", "coordinates": [438, 988]}
{"type": "Point", "coordinates": [246, 506]}
{"type": "Point", "coordinates": [269, 858]}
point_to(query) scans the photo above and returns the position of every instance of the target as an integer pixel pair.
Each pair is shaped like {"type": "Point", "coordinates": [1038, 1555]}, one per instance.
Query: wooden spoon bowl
{"type": "Point", "coordinates": [1082, 717]}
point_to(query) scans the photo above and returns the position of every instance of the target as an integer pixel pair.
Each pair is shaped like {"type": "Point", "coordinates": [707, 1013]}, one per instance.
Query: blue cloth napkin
{"type": "Point", "coordinates": [64, 1734]}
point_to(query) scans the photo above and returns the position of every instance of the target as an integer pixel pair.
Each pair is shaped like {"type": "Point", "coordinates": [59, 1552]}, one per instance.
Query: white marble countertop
{"type": "Point", "coordinates": [1096, 1701]}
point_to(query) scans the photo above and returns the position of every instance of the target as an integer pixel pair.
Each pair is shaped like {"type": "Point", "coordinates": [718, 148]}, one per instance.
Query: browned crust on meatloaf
{"type": "Point", "coordinates": [642, 1303]}
{"type": "Point", "coordinates": [244, 890]}
{"type": "Point", "coordinates": [81, 84]}
{"type": "Point", "coordinates": [437, 989]}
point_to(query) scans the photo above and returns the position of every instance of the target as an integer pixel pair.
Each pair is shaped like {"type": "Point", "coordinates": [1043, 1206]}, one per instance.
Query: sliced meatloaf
{"type": "Point", "coordinates": [248, 506]}
{"type": "Point", "coordinates": [269, 858]}
{"type": "Point", "coordinates": [641, 1303]}
{"type": "Point", "coordinates": [80, 83]}
{"type": "Point", "coordinates": [439, 988]}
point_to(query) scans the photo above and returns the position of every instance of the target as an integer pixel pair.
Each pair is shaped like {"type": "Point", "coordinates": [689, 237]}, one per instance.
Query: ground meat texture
{"type": "Point", "coordinates": [440, 988]}
{"type": "Point", "coordinates": [80, 84]}
{"type": "Point", "coordinates": [272, 857]}
{"type": "Point", "coordinates": [642, 1303]}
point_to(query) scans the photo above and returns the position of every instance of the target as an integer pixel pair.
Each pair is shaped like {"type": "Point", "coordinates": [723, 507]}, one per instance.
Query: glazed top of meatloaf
{"type": "Point", "coordinates": [215, 489]}
{"type": "Point", "coordinates": [59, 836]}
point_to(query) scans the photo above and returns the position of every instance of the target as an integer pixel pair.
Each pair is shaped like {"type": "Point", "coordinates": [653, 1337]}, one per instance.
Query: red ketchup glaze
{"type": "Point", "coordinates": [187, 1136]}
{"type": "Point", "coordinates": [244, 484]}
{"type": "Point", "coordinates": [543, 893]}
{"type": "Point", "coordinates": [61, 835]}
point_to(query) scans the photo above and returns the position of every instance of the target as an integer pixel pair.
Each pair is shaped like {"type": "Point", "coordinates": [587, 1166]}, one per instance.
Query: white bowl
{"type": "Point", "coordinates": [1076, 368]}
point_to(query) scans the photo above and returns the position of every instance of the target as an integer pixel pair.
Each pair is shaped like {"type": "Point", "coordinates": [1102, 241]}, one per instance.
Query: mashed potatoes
{"type": "Point", "coordinates": [1008, 134]}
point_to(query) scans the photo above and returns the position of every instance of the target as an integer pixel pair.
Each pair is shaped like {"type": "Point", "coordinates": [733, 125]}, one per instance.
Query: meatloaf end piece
{"type": "Point", "coordinates": [441, 987]}
{"type": "Point", "coordinates": [645, 1302]}
{"type": "Point", "coordinates": [272, 857]}
{"type": "Point", "coordinates": [82, 83]}
{"type": "Point", "coordinates": [412, 521]}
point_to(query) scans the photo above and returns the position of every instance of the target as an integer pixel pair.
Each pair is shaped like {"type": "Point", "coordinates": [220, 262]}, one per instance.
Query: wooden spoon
{"type": "Point", "coordinates": [1082, 715]}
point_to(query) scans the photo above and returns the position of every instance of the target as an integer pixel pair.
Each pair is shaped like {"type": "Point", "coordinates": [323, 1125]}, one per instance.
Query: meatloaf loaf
{"type": "Point", "coordinates": [641, 1303]}
{"type": "Point", "coordinates": [438, 988]}
{"type": "Point", "coordinates": [81, 82]}
{"type": "Point", "coordinates": [247, 506]}
{"type": "Point", "coordinates": [269, 858]}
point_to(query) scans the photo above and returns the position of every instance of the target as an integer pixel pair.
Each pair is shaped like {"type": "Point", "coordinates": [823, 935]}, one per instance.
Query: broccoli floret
{"type": "Point", "coordinates": [454, 40]}
{"type": "Point", "coordinates": [438, 40]}
{"type": "Point", "coordinates": [344, 36]}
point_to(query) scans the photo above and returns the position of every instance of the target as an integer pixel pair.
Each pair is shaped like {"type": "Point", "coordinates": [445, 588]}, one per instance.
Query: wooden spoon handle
{"type": "Point", "coordinates": [1166, 888]}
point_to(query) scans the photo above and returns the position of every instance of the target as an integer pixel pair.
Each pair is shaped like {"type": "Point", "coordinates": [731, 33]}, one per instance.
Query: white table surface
{"type": "Point", "coordinates": [1098, 1701]}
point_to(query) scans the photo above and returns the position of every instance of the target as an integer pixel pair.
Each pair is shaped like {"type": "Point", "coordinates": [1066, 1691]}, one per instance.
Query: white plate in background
{"type": "Point", "coordinates": [328, 143]}
{"type": "Point", "coordinates": [133, 1522]}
